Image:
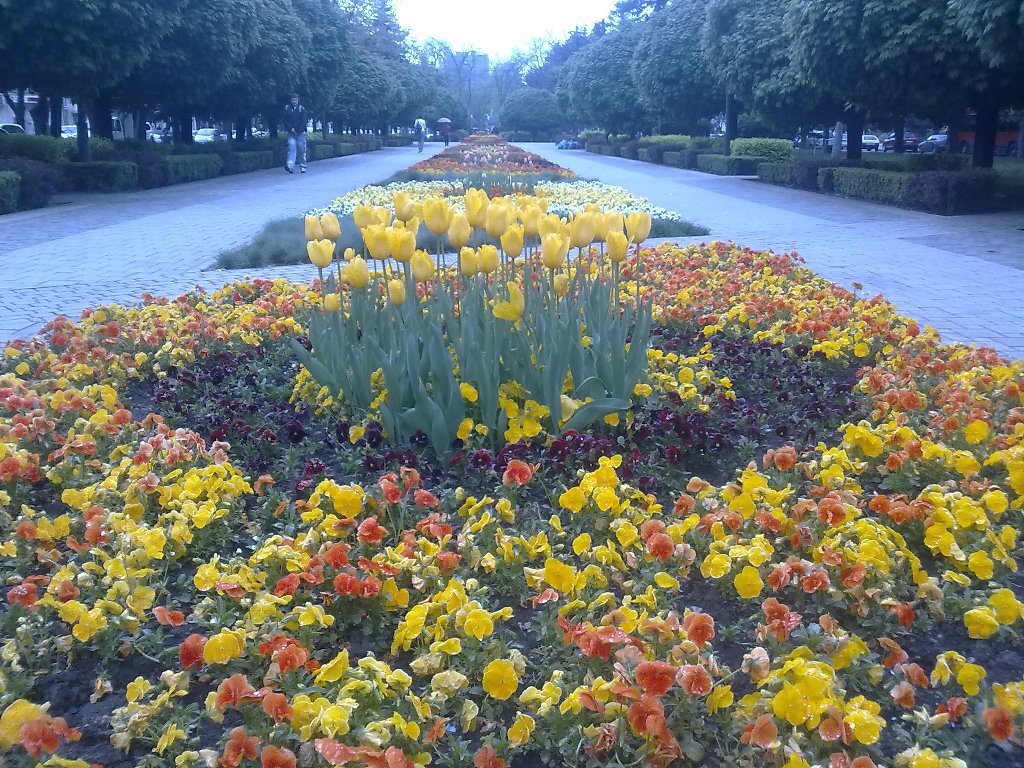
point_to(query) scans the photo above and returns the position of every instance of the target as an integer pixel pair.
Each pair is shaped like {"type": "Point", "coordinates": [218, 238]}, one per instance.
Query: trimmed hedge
{"type": "Point", "coordinates": [10, 189]}
{"type": "Point", "coordinates": [727, 165]}
{"type": "Point", "coordinates": [767, 150]}
{"type": "Point", "coordinates": [185, 168]}
{"type": "Point", "coordinates": [867, 184]}
{"type": "Point", "coordinates": [346, 149]}
{"type": "Point", "coordinates": [951, 192]}
{"type": "Point", "coordinates": [688, 157]}
{"type": "Point", "coordinates": [670, 157]}
{"type": "Point", "coordinates": [643, 153]}
{"type": "Point", "coordinates": [45, 149]}
{"type": "Point", "coordinates": [244, 162]}
{"type": "Point", "coordinates": [321, 151]}
{"type": "Point", "coordinates": [38, 181]}
{"type": "Point", "coordinates": [398, 141]}
{"type": "Point", "coordinates": [102, 176]}
{"type": "Point", "coordinates": [776, 173]}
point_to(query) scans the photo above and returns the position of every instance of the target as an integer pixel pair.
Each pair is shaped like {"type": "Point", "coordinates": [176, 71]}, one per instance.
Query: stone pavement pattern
{"type": "Point", "coordinates": [102, 249]}
{"type": "Point", "coordinates": [963, 275]}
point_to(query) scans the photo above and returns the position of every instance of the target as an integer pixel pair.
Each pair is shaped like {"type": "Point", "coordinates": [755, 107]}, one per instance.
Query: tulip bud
{"type": "Point", "coordinates": [396, 292]}
{"type": "Point", "coordinates": [350, 253]}
{"type": "Point", "coordinates": [413, 225]}
{"type": "Point", "coordinates": [437, 215]}
{"type": "Point", "coordinates": [357, 273]}
{"type": "Point", "coordinates": [530, 216]}
{"type": "Point", "coordinates": [320, 252]}
{"type": "Point", "coordinates": [363, 216]}
{"type": "Point", "coordinates": [459, 231]}
{"type": "Point", "coordinates": [402, 243]}
{"type": "Point", "coordinates": [330, 226]}
{"type": "Point", "coordinates": [313, 231]}
{"type": "Point", "coordinates": [581, 230]}
{"type": "Point", "coordinates": [591, 208]}
{"type": "Point", "coordinates": [423, 267]}
{"type": "Point", "coordinates": [497, 219]}
{"type": "Point", "coordinates": [638, 226]}
{"type": "Point", "coordinates": [404, 207]}
{"type": "Point", "coordinates": [476, 207]}
{"type": "Point", "coordinates": [610, 222]}
{"type": "Point", "coordinates": [382, 215]}
{"type": "Point", "coordinates": [554, 248]}
{"type": "Point", "coordinates": [550, 224]}
{"type": "Point", "coordinates": [617, 247]}
{"type": "Point", "coordinates": [469, 264]}
{"type": "Point", "coordinates": [569, 407]}
{"type": "Point", "coordinates": [561, 285]}
{"type": "Point", "coordinates": [377, 241]}
{"type": "Point", "coordinates": [489, 259]}
{"type": "Point", "coordinates": [512, 241]}
{"type": "Point", "coordinates": [332, 302]}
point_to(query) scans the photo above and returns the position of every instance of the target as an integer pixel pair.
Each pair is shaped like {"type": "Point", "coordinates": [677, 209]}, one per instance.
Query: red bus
{"type": "Point", "coordinates": [1007, 136]}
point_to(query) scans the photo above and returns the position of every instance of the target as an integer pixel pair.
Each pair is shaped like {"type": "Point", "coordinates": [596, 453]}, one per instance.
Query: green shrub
{"type": "Point", "coordinates": [629, 150]}
{"type": "Point", "coordinates": [185, 168]}
{"type": "Point", "coordinates": [644, 154]}
{"type": "Point", "coordinates": [244, 162]}
{"type": "Point", "coordinates": [398, 140]}
{"type": "Point", "coordinates": [45, 149]}
{"type": "Point", "coordinates": [951, 192]}
{"type": "Point", "coordinates": [593, 137]}
{"type": "Point", "coordinates": [346, 149]}
{"type": "Point", "coordinates": [670, 157]}
{"type": "Point", "coordinates": [688, 157]}
{"type": "Point", "coordinates": [727, 165]}
{"type": "Point", "coordinates": [806, 172]}
{"type": "Point", "coordinates": [671, 140]}
{"type": "Point", "coordinates": [767, 150]}
{"type": "Point", "coordinates": [38, 181]}
{"type": "Point", "coordinates": [321, 151]}
{"type": "Point", "coordinates": [868, 184]}
{"type": "Point", "coordinates": [102, 176]}
{"type": "Point", "coordinates": [712, 143]}
{"type": "Point", "coordinates": [10, 188]}
{"type": "Point", "coordinates": [776, 173]}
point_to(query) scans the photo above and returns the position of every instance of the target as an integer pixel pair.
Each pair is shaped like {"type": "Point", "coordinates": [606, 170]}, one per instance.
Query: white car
{"type": "Point", "coordinates": [869, 142]}
{"type": "Point", "coordinates": [207, 136]}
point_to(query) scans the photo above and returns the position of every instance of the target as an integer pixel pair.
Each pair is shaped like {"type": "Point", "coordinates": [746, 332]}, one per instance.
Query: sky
{"type": "Point", "coordinates": [497, 28]}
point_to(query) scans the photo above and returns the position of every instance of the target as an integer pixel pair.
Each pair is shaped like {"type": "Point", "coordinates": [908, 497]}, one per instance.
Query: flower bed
{"type": "Point", "coordinates": [797, 546]}
{"type": "Point", "coordinates": [490, 154]}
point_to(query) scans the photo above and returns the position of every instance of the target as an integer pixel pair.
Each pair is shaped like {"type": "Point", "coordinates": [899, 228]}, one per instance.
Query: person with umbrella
{"type": "Point", "coordinates": [446, 129]}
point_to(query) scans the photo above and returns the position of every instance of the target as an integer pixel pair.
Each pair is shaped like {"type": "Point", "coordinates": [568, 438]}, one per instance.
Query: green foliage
{"type": "Point", "coordinates": [728, 165]}
{"type": "Point", "coordinates": [671, 157]}
{"type": "Point", "coordinates": [867, 184]}
{"type": "Point", "coordinates": [592, 137]}
{"type": "Point", "coordinates": [951, 192]}
{"type": "Point", "coordinates": [185, 168]}
{"type": "Point", "coordinates": [45, 149]}
{"type": "Point", "coordinates": [10, 188]}
{"type": "Point", "coordinates": [321, 151]}
{"type": "Point", "coordinates": [936, 161]}
{"type": "Point", "coordinates": [102, 176]}
{"type": "Point", "coordinates": [244, 162]}
{"type": "Point", "coordinates": [532, 111]}
{"type": "Point", "coordinates": [768, 150]}
{"type": "Point", "coordinates": [776, 173]}
{"type": "Point", "coordinates": [39, 181]}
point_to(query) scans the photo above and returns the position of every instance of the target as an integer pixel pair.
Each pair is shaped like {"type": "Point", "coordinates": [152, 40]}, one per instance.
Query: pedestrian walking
{"type": "Point", "coordinates": [421, 131]}
{"type": "Point", "coordinates": [446, 132]}
{"type": "Point", "coordinates": [295, 120]}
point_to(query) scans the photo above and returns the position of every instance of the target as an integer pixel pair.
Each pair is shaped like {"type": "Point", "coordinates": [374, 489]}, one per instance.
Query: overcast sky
{"type": "Point", "coordinates": [499, 28]}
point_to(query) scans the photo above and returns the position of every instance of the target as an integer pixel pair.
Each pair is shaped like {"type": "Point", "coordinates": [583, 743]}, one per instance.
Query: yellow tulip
{"type": "Point", "coordinates": [377, 241]}
{"type": "Point", "coordinates": [476, 207]}
{"type": "Point", "coordinates": [396, 292]}
{"type": "Point", "coordinates": [404, 207]}
{"type": "Point", "coordinates": [363, 216]}
{"type": "Point", "coordinates": [313, 231]}
{"type": "Point", "coordinates": [357, 273]}
{"type": "Point", "coordinates": [423, 267]}
{"type": "Point", "coordinates": [512, 309]}
{"type": "Point", "coordinates": [610, 222]}
{"type": "Point", "coordinates": [459, 231]}
{"type": "Point", "coordinates": [551, 224]}
{"type": "Point", "coordinates": [469, 264]}
{"type": "Point", "coordinates": [330, 227]}
{"type": "Point", "coordinates": [489, 259]}
{"type": "Point", "coordinates": [332, 302]}
{"type": "Point", "coordinates": [638, 226]}
{"type": "Point", "coordinates": [530, 216]}
{"type": "Point", "coordinates": [554, 248]}
{"type": "Point", "coordinates": [591, 208]}
{"type": "Point", "coordinates": [512, 241]}
{"type": "Point", "coordinates": [320, 252]}
{"type": "Point", "coordinates": [581, 230]}
{"type": "Point", "coordinates": [413, 225]}
{"type": "Point", "coordinates": [350, 253]}
{"type": "Point", "coordinates": [561, 285]}
{"type": "Point", "coordinates": [382, 215]}
{"type": "Point", "coordinates": [497, 220]}
{"type": "Point", "coordinates": [437, 215]}
{"type": "Point", "coordinates": [617, 246]}
{"type": "Point", "coordinates": [402, 243]}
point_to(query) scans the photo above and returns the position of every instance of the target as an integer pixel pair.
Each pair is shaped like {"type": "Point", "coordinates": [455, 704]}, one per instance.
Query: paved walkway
{"type": "Point", "coordinates": [101, 249]}
{"type": "Point", "coordinates": [963, 275]}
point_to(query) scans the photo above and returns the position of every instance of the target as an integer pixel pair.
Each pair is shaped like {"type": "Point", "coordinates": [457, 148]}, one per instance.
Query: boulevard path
{"type": "Point", "coordinates": [963, 275]}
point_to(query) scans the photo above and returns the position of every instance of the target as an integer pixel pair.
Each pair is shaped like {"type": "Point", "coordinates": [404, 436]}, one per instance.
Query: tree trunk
{"type": "Point", "coordinates": [83, 133]}
{"type": "Point", "coordinates": [854, 135]}
{"type": "Point", "coordinates": [899, 145]}
{"type": "Point", "coordinates": [17, 106]}
{"type": "Point", "coordinates": [837, 141]}
{"type": "Point", "coordinates": [185, 130]}
{"type": "Point", "coordinates": [56, 115]}
{"type": "Point", "coordinates": [732, 114]}
{"type": "Point", "coordinates": [140, 125]}
{"type": "Point", "coordinates": [272, 128]}
{"type": "Point", "coordinates": [240, 129]}
{"type": "Point", "coordinates": [987, 121]}
{"type": "Point", "coordinates": [41, 116]}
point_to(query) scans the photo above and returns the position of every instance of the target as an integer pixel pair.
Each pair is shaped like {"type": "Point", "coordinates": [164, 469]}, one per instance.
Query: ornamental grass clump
{"type": "Point", "coordinates": [421, 348]}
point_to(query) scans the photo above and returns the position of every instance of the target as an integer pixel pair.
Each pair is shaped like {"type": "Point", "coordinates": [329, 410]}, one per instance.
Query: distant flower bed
{"type": "Point", "coordinates": [489, 154]}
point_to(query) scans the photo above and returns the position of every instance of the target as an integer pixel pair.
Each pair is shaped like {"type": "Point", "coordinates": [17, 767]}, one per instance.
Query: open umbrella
{"type": "Point", "coordinates": [444, 120]}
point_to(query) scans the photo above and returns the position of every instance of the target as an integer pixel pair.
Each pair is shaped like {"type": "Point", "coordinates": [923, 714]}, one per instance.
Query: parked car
{"type": "Point", "coordinates": [870, 143]}
{"type": "Point", "coordinates": [934, 143]}
{"type": "Point", "coordinates": [11, 128]}
{"type": "Point", "coordinates": [160, 135]}
{"type": "Point", "coordinates": [69, 131]}
{"type": "Point", "coordinates": [910, 142]}
{"type": "Point", "coordinates": [208, 136]}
